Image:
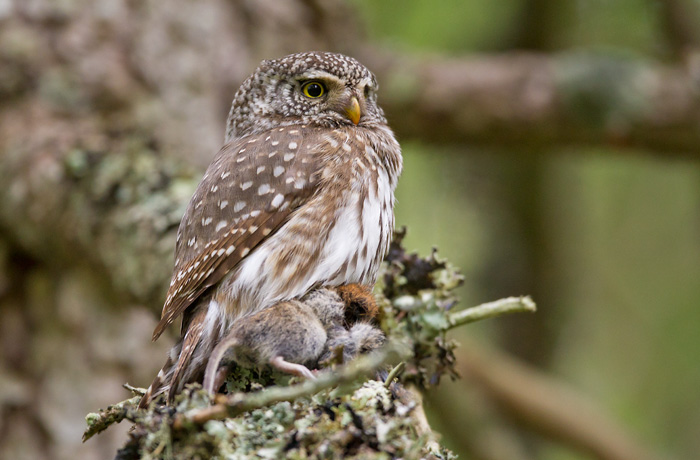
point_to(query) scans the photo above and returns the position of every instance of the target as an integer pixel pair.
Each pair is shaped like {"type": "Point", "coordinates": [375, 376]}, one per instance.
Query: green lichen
{"type": "Point", "coordinates": [98, 422]}
{"type": "Point", "coordinates": [371, 422]}
{"type": "Point", "coordinates": [417, 296]}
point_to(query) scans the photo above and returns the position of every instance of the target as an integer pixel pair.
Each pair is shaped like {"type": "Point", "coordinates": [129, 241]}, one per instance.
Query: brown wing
{"type": "Point", "coordinates": [248, 192]}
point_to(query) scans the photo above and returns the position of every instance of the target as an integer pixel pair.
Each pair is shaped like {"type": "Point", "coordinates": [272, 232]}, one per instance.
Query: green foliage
{"type": "Point", "coordinates": [447, 25]}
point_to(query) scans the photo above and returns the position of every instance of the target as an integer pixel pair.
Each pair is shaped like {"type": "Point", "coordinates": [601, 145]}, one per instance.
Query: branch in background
{"type": "Point", "coordinates": [547, 406]}
{"type": "Point", "coordinates": [523, 101]}
{"type": "Point", "coordinates": [109, 194]}
{"type": "Point", "coordinates": [678, 22]}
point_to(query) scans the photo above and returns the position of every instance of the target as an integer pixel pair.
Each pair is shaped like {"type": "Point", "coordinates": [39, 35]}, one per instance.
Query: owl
{"type": "Point", "coordinates": [300, 197]}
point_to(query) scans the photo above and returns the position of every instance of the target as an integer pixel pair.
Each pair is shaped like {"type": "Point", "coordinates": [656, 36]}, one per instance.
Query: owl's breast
{"type": "Point", "coordinates": [361, 235]}
{"type": "Point", "coordinates": [339, 236]}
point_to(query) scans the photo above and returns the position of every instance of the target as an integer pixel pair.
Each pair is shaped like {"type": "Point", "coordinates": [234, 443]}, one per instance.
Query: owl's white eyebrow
{"type": "Point", "coordinates": [314, 74]}
{"type": "Point", "coordinates": [364, 82]}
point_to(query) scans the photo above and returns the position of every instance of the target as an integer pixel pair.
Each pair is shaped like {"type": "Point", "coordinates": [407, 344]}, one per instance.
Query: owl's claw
{"type": "Point", "coordinates": [291, 368]}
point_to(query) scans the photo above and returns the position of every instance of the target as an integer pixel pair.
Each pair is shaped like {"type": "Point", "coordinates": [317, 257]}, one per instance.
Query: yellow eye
{"type": "Point", "coordinates": [313, 89]}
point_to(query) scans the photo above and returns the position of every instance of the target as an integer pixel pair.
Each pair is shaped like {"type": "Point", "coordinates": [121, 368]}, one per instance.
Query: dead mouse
{"type": "Point", "coordinates": [293, 336]}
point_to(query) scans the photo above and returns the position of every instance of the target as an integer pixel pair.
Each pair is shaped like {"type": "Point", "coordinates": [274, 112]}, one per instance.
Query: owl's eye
{"type": "Point", "coordinates": [313, 89]}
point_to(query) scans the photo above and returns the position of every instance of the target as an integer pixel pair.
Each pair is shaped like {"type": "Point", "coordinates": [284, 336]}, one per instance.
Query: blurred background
{"type": "Point", "coordinates": [551, 149]}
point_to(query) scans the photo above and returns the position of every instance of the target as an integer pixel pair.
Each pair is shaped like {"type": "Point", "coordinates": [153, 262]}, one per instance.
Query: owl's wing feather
{"type": "Point", "coordinates": [247, 193]}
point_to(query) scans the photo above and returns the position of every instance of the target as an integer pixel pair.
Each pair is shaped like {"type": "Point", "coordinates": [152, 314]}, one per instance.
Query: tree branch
{"type": "Point", "coordinates": [547, 406]}
{"type": "Point", "coordinates": [678, 21]}
{"type": "Point", "coordinates": [239, 403]}
{"type": "Point", "coordinates": [192, 410]}
{"type": "Point", "coordinates": [522, 100]}
{"type": "Point", "coordinates": [97, 422]}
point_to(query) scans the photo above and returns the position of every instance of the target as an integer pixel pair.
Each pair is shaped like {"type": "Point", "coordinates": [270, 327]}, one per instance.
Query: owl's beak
{"type": "Point", "coordinates": [352, 110]}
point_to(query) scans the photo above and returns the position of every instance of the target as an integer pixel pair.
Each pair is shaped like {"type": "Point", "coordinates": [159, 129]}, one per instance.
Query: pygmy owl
{"type": "Point", "coordinates": [300, 197]}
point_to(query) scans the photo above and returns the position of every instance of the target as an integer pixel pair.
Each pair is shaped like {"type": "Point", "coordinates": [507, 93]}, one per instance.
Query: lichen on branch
{"type": "Point", "coordinates": [356, 410]}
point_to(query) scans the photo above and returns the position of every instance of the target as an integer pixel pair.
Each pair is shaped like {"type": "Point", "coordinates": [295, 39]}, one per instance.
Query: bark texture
{"type": "Point", "coordinates": [108, 110]}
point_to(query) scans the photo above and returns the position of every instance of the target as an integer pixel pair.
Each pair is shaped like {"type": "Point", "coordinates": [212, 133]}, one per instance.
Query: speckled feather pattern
{"type": "Point", "coordinates": [298, 198]}
{"type": "Point", "coordinates": [268, 98]}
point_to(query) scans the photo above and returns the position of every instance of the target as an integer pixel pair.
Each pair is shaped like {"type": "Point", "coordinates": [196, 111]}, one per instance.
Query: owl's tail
{"type": "Point", "coordinates": [186, 362]}
{"type": "Point", "coordinates": [161, 384]}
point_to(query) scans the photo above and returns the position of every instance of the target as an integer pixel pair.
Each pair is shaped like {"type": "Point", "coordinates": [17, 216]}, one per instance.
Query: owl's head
{"type": "Point", "coordinates": [313, 88]}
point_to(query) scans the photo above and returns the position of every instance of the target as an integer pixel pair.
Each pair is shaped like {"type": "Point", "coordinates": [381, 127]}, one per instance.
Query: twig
{"type": "Point", "coordinates": [137, 391]}
{"type": "Point", "coordinates": [491, 309]}
{"type": "Point", "coordinates": [243, 402]}
{"type": "Point", "coordinates": [100, 421]}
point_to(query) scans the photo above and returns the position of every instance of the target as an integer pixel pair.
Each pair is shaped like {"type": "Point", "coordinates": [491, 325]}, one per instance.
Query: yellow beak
{"type": "Point", "coordinates": [353, 110]}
